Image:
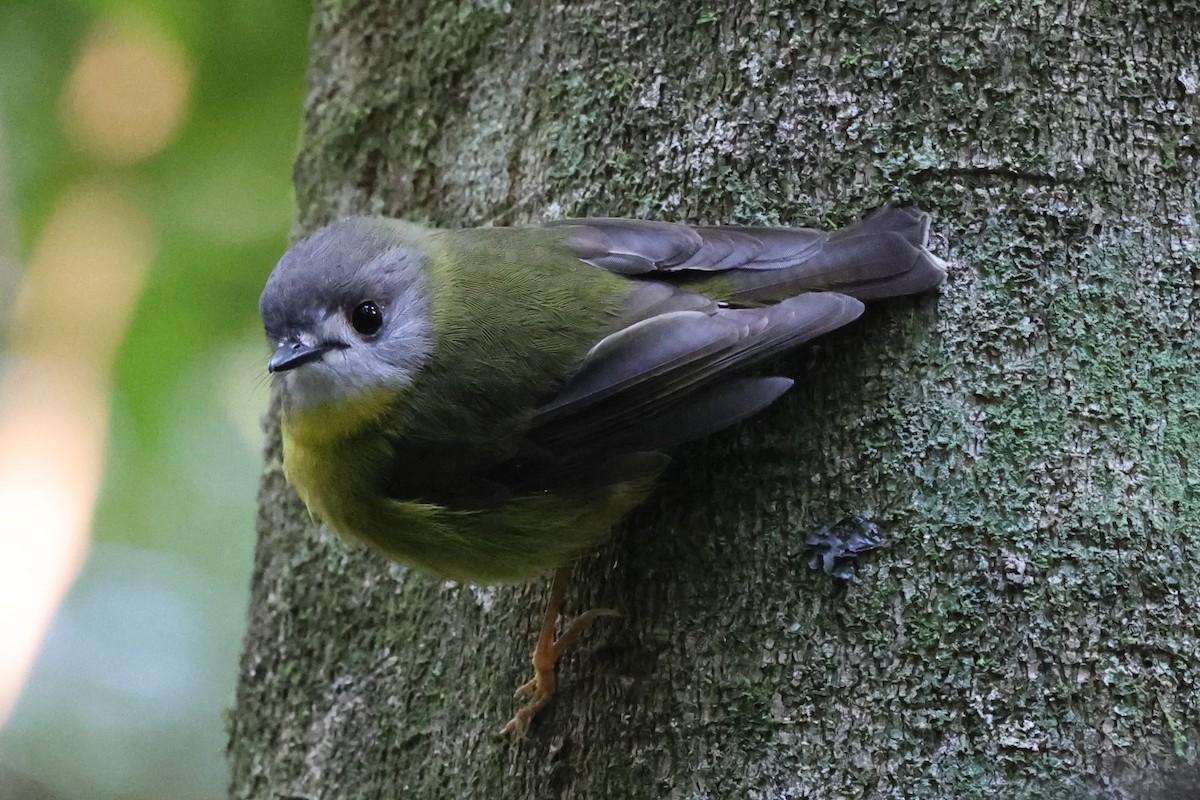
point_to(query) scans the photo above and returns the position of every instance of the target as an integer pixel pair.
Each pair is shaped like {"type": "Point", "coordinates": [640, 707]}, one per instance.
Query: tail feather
{"type": "Point", "coordinates": [884, 255]}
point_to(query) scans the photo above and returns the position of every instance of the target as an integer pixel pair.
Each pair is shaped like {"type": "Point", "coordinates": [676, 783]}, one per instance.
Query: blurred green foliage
{"type": "Point", "coordinates": [127, 697]}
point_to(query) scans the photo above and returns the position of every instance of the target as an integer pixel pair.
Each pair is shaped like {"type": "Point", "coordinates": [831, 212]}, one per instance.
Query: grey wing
{"type": "Point", "coordinates": [669, 374]}
{"type": "Point", "coordinates": [670, 378]}
{"type": "Point", "coordinates": [883, 255]}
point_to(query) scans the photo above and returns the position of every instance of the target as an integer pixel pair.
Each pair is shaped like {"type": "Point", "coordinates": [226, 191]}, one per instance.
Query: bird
{"type": "Point", "coordinates": [486, 404]}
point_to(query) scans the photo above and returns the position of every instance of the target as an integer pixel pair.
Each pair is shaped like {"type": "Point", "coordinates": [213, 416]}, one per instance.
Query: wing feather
{"type": "Point", "coordinates": [652, 368]}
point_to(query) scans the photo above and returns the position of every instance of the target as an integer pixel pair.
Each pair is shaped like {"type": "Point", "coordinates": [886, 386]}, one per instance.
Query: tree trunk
{"type": "Point", "coordinates": [1028, 441]}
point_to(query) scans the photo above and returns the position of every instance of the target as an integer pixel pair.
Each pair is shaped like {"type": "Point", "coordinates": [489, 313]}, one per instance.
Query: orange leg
{"type": "Point", "coordinates": [548, 651]}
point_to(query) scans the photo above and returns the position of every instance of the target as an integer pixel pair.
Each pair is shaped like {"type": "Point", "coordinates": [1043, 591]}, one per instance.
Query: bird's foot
{"type": "Point", "coordinates": [541, 687]}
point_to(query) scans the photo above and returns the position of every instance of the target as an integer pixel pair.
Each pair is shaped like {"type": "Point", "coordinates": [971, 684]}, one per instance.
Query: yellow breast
{"type": "Point", "coordinates": [332, 452]}
{"type": "Point", "coordinates": [339, 419]}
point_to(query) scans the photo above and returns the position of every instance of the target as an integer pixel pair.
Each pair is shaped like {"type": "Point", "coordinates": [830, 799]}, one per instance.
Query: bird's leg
{"type": "Point", "coordinates": [548, 651]}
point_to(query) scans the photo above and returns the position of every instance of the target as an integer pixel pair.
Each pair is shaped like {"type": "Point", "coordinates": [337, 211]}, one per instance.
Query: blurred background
{"type": "Point", "coordinates": [145, 164]}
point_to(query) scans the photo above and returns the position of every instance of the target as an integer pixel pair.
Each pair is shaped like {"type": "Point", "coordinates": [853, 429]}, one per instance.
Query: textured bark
{"type": "Point", "coordinates": [1028, 441]}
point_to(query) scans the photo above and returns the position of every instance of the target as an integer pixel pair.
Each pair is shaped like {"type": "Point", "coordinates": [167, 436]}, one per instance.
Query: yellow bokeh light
{"type": "Point", "coordinates": [126, 94]}
{"type": "Point", "coordinates": [83, 280]}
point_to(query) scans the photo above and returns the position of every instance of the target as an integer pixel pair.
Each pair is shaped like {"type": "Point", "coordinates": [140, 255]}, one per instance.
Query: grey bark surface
{"type": "Point", "coordinates": [1029, 440]}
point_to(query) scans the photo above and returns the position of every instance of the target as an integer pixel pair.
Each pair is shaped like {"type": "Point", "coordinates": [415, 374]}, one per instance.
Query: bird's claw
{"type": "Point", "coordinates": [546, 654]}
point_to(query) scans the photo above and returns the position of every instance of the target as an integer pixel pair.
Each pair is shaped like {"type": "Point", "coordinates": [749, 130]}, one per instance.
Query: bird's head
{"type": "Point", "coordinates": [347, 313]}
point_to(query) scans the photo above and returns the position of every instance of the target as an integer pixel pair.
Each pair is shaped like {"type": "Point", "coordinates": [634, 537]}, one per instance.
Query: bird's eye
{"type": "Point", "coordinates": [366, 318]}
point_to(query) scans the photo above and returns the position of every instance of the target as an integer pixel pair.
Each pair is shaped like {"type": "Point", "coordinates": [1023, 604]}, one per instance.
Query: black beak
{"type": "Point", "coordinates": [292, 354]}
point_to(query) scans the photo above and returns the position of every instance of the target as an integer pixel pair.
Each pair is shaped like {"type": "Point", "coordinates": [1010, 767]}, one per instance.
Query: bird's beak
{"type": "Point", "coordinates": [293, 353]}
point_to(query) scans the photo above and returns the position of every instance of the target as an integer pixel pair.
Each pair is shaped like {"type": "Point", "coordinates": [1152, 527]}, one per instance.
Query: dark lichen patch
{"type": "Point", "coordinates": [835, 547]}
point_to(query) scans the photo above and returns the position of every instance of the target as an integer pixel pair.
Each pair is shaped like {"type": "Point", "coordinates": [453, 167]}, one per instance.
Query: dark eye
{"type": "Point", "coordinates": [366, 318]}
